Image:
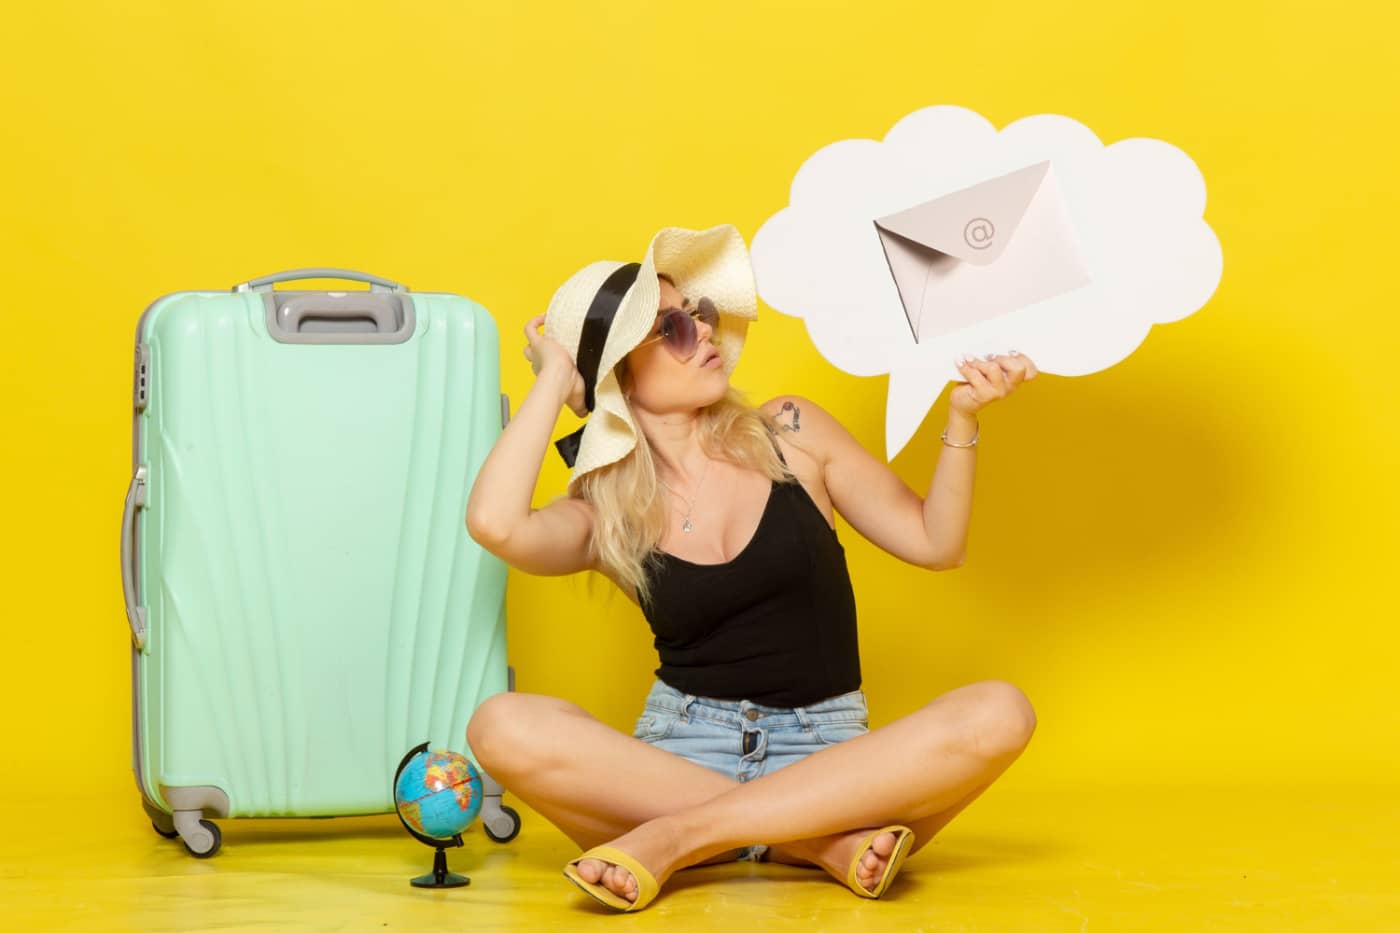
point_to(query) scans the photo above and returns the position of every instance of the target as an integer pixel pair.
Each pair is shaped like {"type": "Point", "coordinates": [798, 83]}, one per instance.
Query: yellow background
{"type": "Point", "coordinates": [1186, 561]}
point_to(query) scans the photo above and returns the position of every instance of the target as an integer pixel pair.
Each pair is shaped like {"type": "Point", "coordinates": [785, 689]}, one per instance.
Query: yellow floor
{"type": "Point", "coordinates": [1021, 858]}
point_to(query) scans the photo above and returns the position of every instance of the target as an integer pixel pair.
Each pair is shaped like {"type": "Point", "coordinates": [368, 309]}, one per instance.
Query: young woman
{"type": "Point", "coordinates": [717, 518]}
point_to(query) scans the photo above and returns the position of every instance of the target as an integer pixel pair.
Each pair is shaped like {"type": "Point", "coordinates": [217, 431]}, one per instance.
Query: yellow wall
{"type": "Point", "coordinates": [1186, 561]}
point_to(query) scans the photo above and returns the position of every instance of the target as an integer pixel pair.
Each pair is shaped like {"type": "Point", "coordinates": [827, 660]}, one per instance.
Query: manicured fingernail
{"type": "Point", "coordinates": [990, 356]}
{"type": "Point", "coordinates": [1015, 352]}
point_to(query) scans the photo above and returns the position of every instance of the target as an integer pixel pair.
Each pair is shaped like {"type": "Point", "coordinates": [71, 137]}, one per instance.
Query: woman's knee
{"type": "Point", "coordinates": [1003, 721]}
{"type": "Point", "coordinates": [508, 729]}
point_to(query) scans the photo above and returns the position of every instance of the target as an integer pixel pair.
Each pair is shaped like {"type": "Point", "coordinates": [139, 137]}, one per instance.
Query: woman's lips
{"type": "Point", "coordinates": [713, 362]}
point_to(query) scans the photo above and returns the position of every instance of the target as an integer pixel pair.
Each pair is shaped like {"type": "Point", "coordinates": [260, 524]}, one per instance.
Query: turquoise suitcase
{"type": "Point", "coordinates": [304, 600]}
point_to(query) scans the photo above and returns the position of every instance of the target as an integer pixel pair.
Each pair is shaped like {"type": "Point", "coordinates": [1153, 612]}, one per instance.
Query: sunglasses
{"type": "Point", "coordinates": [678, 329]}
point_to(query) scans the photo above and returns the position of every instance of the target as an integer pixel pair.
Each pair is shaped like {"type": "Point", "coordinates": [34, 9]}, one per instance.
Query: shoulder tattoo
{"type": "Point", "coordinates": [789, 411]}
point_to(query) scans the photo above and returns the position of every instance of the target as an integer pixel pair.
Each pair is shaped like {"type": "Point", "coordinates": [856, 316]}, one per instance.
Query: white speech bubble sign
{"type": "Point", "coordinates": [949, 237]}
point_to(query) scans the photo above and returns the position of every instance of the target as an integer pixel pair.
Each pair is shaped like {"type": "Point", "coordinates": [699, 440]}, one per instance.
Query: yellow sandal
{"type": "Point", "coordinates": [904, 841]}
{"type": "Point", "coordinates": [647, 888]}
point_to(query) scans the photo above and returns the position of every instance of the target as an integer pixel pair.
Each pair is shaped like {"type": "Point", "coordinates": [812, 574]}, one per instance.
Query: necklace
{"type": "Point", "coordinates": [686, 525]}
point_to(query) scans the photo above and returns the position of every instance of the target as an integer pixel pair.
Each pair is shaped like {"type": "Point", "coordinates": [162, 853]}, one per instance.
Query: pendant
{"type": "Point", "coordinates": [687, 527]}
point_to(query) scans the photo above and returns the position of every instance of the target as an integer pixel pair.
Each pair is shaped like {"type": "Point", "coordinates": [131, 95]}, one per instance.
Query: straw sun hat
{"type": "Point", "coordinates": [606, 308]}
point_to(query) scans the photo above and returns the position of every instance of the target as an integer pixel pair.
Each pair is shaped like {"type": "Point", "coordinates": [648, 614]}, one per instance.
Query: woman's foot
{"type": "Point", "coordinates": [653, 848]}
{"type": "Point", "coordinates": [834, 853]}
{"type": "Point", "coordinates": [645, 844]}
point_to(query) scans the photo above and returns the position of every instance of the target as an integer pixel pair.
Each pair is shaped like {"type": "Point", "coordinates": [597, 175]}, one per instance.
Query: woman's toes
{"type": "Point", "coordinates": [867, 872]}
{"type": "Point", "coordinates": [874, 859]}
{"type": "Point", "coordinates": [620, 882]}
{"type": "Point", "coordinates": [616, 879]}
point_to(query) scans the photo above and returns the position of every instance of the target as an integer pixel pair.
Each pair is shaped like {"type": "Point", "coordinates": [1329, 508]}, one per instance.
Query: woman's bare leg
{"type": "Point", "coordinates": [913, 771]}
{"type": "Point", "coordinates": [595, 783]}
{"type": "Point", "coordinates": [833, 851]}
{"type": "Point", "coordinates": [590, 780]}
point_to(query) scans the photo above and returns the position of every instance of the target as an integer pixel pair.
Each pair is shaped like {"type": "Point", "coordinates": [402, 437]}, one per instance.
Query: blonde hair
{"type": "Point", "coordinates": [630, 507]}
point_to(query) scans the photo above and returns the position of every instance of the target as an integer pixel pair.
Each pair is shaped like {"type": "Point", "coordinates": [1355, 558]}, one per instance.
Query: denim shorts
{"type": "Point", "coordinates": [743, 740]}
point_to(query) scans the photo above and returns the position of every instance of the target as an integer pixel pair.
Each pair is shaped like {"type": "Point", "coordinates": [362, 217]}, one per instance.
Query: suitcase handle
{"type": "Point", "coordinates": [265, 283]}
{"type": "Point", "coordinates": [381, 315]}
{"type": "Point", "coordinates": [135, 499]}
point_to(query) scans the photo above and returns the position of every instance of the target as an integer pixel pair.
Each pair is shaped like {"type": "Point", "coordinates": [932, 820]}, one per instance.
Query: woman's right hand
{"type": "Point", "coordinates": [546, 353]}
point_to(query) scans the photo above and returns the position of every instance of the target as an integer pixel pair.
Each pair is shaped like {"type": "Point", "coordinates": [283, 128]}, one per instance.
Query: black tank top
{"type": "Point", "coordinates": [776, 625]}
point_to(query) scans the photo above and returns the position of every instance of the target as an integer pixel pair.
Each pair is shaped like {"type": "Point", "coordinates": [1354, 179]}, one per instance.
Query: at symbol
{"type": "Point", "coordinates": [979, 232]}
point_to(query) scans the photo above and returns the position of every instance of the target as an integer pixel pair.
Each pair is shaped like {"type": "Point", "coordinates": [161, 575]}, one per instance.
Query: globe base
{"type": "Point", "coordinates": [440, 877]}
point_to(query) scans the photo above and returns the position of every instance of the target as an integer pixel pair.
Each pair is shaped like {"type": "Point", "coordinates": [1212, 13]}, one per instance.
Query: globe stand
{"type": "Point", "coordinates": [439, 877]}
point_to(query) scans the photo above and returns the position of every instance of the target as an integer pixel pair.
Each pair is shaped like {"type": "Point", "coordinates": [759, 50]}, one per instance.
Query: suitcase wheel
{"type": "Point", "coordinates": [162, 832]}
{"type": "Point", "coordinates": [502, 828]}
{"type": "Point", "coordinates": [206, 843]}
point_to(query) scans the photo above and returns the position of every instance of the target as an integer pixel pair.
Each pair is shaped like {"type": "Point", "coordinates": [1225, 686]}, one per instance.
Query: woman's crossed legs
{"type": "Point", "coordinates": [601, 786]}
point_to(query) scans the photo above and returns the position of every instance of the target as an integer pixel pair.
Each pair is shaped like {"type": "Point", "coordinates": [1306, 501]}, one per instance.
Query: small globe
{"type": "Point", "coordinates": [438, 793]}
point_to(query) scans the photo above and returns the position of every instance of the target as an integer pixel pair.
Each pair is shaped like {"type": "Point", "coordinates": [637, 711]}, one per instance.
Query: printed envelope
{"type": "Point", "coordinates": [982, 252]}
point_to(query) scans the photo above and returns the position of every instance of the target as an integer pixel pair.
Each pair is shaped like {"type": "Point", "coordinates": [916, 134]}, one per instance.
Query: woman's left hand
{"type": "Point", "coordinates": [989, 380]}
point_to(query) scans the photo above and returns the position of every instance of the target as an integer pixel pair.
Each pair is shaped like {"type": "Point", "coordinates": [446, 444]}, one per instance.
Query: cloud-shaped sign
{"type": "Point", "coordinates": [949, 237]}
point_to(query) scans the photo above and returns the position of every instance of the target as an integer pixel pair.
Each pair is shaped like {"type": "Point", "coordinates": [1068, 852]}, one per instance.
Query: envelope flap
{"type": "Point", "coordinates": [974, 223]}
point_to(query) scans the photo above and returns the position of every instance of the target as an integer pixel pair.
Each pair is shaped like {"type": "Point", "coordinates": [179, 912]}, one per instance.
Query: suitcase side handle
{"type": "Point", "coordinates": [135, 499]}
{"type": "Point", "coordinates": [264, 283]}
